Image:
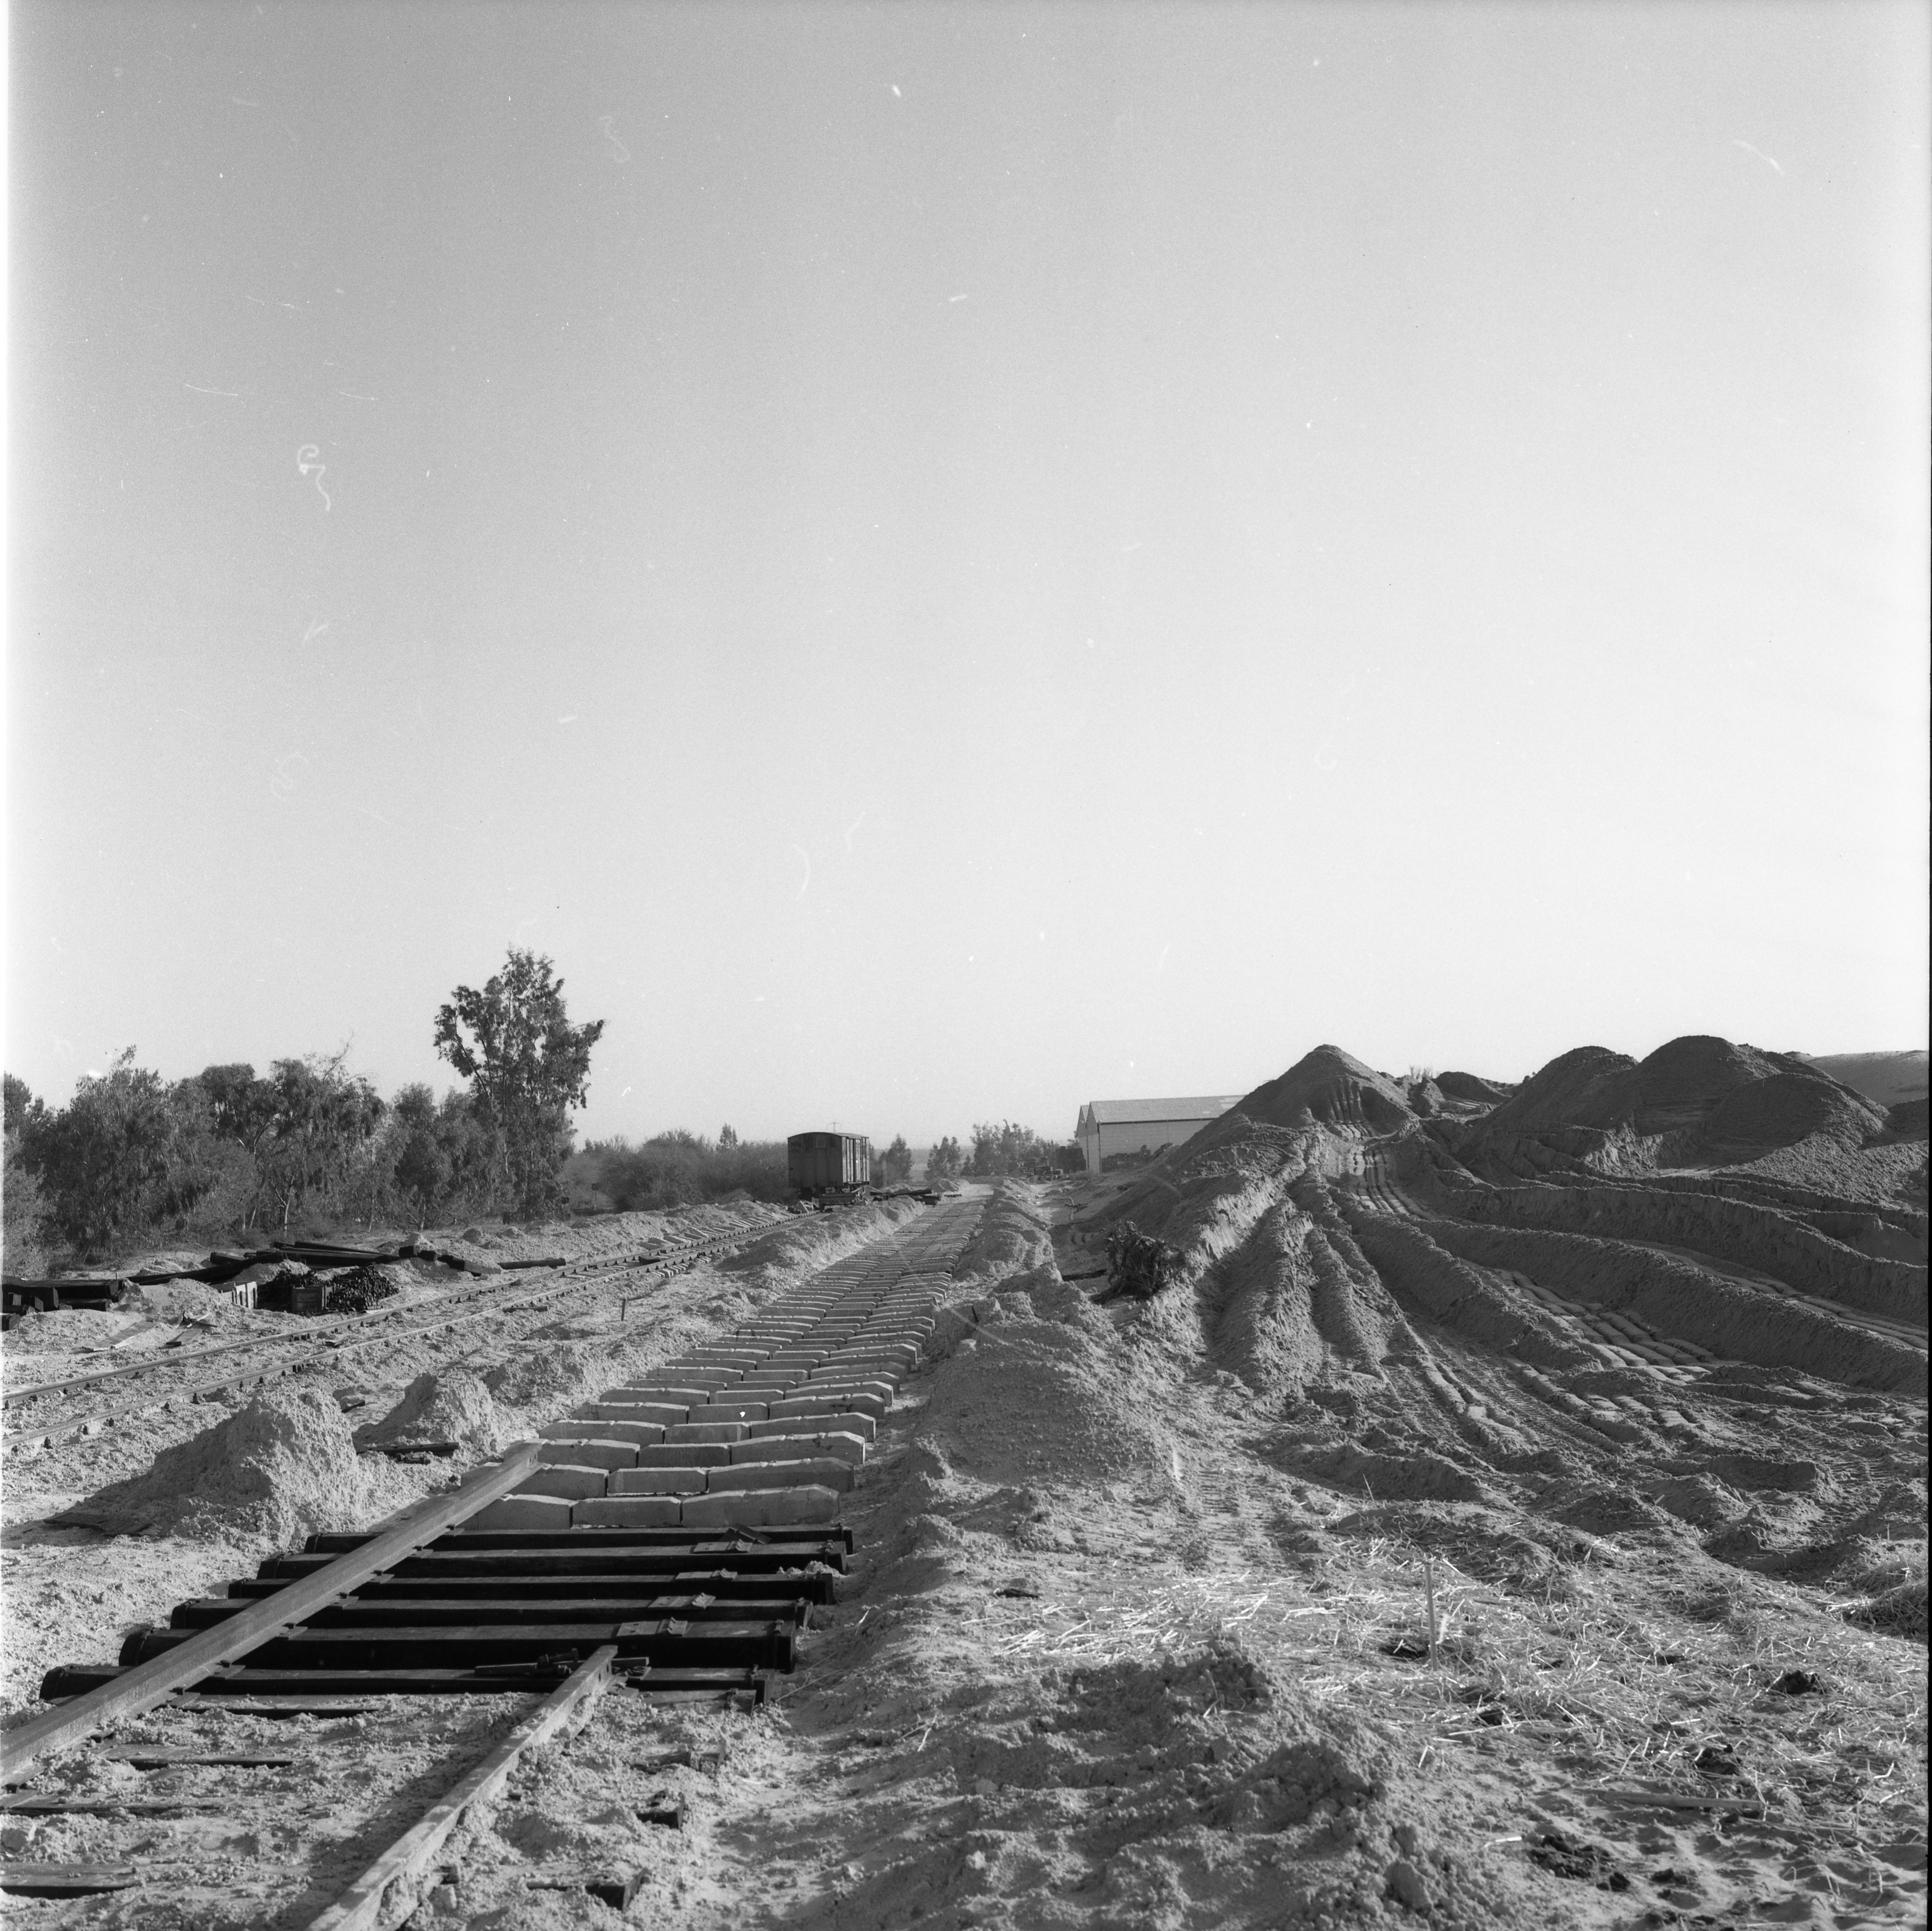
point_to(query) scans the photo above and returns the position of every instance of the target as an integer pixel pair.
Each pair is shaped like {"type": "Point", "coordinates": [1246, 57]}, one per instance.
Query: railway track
{"type": "Point", "coordinates": [672, 1539]}
{"type": "Point", "coordinates": [329, 1340]}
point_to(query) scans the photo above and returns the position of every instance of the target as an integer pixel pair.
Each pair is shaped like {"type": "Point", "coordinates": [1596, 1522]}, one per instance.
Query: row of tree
{"type": "Point", "coordinates": [231, 1152]}
{"type": "Point", "coordinates": [1004, 1148]}
{"type": "Point", "coordinates": [133, 1159]}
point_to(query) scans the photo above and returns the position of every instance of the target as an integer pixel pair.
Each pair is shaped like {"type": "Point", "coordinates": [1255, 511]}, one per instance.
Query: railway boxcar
{"type": "Point", "coordinates": [837, 1164]}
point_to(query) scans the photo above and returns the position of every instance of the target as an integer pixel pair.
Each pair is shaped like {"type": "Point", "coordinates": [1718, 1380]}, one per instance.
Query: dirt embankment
{"type": "Point", "coordinates": [1139, 1632]}
{"type": "Point", "coordinates": [1741, 1232]}
{"type": "Point", "coordinates": [1345, 1584]}
{"type": "Point", "coordinates": [103, 1532]}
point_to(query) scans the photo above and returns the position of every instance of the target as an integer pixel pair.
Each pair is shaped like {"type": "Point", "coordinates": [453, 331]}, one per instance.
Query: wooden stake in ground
{"type": "Point", "coordinates": [1429, 1588]}
{"type": "Point", "coordinates": [361, 1905]}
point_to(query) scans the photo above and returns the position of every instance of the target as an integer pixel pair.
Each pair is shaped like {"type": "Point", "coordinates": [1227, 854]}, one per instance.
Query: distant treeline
{"type": "Point", "coordinates": [1004, 1148]}
{"type": "Point", "coordinates": [136, 1160]}
{"type": "Point", "coordinates": [673, 1169]}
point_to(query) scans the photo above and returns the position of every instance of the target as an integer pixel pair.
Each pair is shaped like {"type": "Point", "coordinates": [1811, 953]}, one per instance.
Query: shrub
{"type": "Point", "coordinates": [676, 1168]}
{"type": "Point", "coordinates": [1008, 1149]}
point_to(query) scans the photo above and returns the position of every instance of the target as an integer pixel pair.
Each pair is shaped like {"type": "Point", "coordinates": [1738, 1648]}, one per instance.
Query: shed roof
{"type": "Point", "coordinates": [1134, 1112]}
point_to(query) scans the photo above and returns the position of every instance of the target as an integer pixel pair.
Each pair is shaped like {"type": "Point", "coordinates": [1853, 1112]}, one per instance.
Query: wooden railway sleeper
{"type": "Point", "coordinates": [724, 1584]}
{"type": "Point", "coordinates": [363, 1609]}
{"type": "Point", "coordinates": [766, 1644]}
{"type": "Point", "coordinates": [342, 1692]}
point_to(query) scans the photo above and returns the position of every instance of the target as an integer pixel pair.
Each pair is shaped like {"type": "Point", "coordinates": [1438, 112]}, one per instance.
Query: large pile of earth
{"type": "Point", "coordinates": [1331, 1087]}
{"type": "Point", "coordinates": [1697, 1101]}
{"type": "Point", "coordinates": [452, 1406]}
{"type": "Point", "coordinates": [284, 1466]}
{"type": "Point", "coordinates": [1466, 1292]}
{"type": "Point", "coordinates": [1891, 1079]}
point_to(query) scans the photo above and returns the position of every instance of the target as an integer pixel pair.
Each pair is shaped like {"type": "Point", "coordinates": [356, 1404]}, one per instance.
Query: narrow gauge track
{"type": "Point", "coordinates": [672, 1538]}
{"type": "Point", "coordinates": [331, 1340]}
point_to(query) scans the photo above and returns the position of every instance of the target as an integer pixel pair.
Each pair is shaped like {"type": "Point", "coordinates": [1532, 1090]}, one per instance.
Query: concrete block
{"type": "Point", "coordinates": [684, 1373]}
{"type": "Point", "coordinates": [838, 1400]}
{"type": "Point", "coordinates": [705, 1431]}
{"type": "Point", "coordinates": [660, 1394]}
{"type": "Point", "coordinates": [627, 1511]}
{"type": "Point", "coordinates": [822, 1471]}
{"type": "Point", "coordinates": [639, 1434]}
{"type": "Point", "coordinates": [863, 1362]}
{"type": "Point", "coordinates": [685, 1454]}
{"type": "Point", "coordinates": [844, 1448]}
{"type": "Point", "coordinates": [756, 1385]}
{"type": "Point", "coordinates": [523, 1511]}
{"type": "Point", "coordinates": [657, 1481]}
{"type": "Point", "coordinates": [760, 1508]}
{"type": "Point", "coordinates": [569, 1479]}
{"type": "Point", "coordinates": [589, 1453]}
{"type": "Point", "coordinates": [663, 1413]}
{"type": "Point", "coordinates": [876, 1386]}
{"type": "Point", "coordinates": [837, 1421]}
{"type": "Point", "coordinates": [728, 1411]}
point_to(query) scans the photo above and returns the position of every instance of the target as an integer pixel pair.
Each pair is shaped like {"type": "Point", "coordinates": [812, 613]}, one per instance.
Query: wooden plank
{"type": "Point", "coordinates": [409, 1609]}
{"type": "Point", "coordinates": [37, 1805]}
{"type": "Point", "coordinates": [169, 1756]}
{"type": "Point", "coordinates": [361, 1905]}
{"type": "Point", "coordinates": [752, 1645]}
{"type": "Point", "coordinates": [414, 1577]}
{"type": "Point", "coordinates": [184, 1664]}
{"type": "Point", "coordinates": [321, 1686]}
{"type": "Point", "coordinates": [284, 1706]}
{"type": "Point", "coordinates": [26, 1880]}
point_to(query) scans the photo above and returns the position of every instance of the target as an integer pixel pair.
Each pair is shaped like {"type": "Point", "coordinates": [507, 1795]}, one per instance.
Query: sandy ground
{"type": "Point", "coordinates": [70, 1594]}
{"type": "Point", "coordinates": [1140, 1628]}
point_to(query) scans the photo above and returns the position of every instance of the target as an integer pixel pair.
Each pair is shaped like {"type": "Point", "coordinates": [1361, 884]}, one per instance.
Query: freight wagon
{"type": "Point", "coordinates": [829, 1166]}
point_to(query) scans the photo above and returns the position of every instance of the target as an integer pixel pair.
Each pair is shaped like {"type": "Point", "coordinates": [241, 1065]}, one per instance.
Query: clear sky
{"type": "Point", "coordinates": [943, 562]}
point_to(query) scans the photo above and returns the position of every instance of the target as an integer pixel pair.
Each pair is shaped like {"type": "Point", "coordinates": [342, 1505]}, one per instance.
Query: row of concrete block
{"type": "Point", "coordinates": [576, 1482]}
{"type": "Point", "coordinates": [736, 1509]}
{"type": "Point", "coordinates": [589, 1448]}
{"type": "Point", "coordinates": [606, 1421]}
{"type": "Point", "coordinates": [760, 1427]}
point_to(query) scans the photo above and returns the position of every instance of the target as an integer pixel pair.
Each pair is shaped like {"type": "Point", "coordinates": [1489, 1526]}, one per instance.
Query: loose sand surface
{"type": "Point", "coordinates": [1514, 1514]}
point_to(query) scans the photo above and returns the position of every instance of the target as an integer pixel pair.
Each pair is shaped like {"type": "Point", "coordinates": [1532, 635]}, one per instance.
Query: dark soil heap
{"type": "Point", "coordinates": [1329, 1088]}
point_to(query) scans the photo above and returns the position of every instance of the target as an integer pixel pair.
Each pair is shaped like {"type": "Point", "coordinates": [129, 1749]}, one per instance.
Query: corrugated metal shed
{"type": "Point", "coordinates": [1107, 1112]}
{"type": "Point", "coordinates": [1108, 1127]}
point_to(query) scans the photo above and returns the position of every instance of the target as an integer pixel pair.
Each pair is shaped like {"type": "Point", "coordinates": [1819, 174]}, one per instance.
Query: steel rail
{"type": "Point", "coordinates": [361, 1905]}
{"type": "Point", "coordinates": [19, 1397]}
{"type": "Point", "coordinates": [15, 1397]}
{"type": "Point", "coordinates": [504, 1301]}
{"type": "Point", "coordinates": [149, 1683]}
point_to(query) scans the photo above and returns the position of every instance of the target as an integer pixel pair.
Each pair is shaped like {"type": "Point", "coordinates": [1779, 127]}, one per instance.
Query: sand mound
{"type": "Point", "coordinates": [1330, 1088]}
{"type": "Point", "coordinates": [1582, 1087]}
{"type": "Point", "coordinates": [1028, 1401]}
{"type": "Point", "coordinates": [453, 1406]}
{"type": "Point", "coordinates": [1891, 1079]}
{"type": "Point", "coordinates": [1009, 1239]}
{"type": "Point", "coordinates": [1698, 1101]}
{"type": "Point", "coordinates": [283, 1466]}
{"type": "Point", "coordinates": [1473, 1090]}
{"type": "Point", "coordinates": [546, 1376]}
